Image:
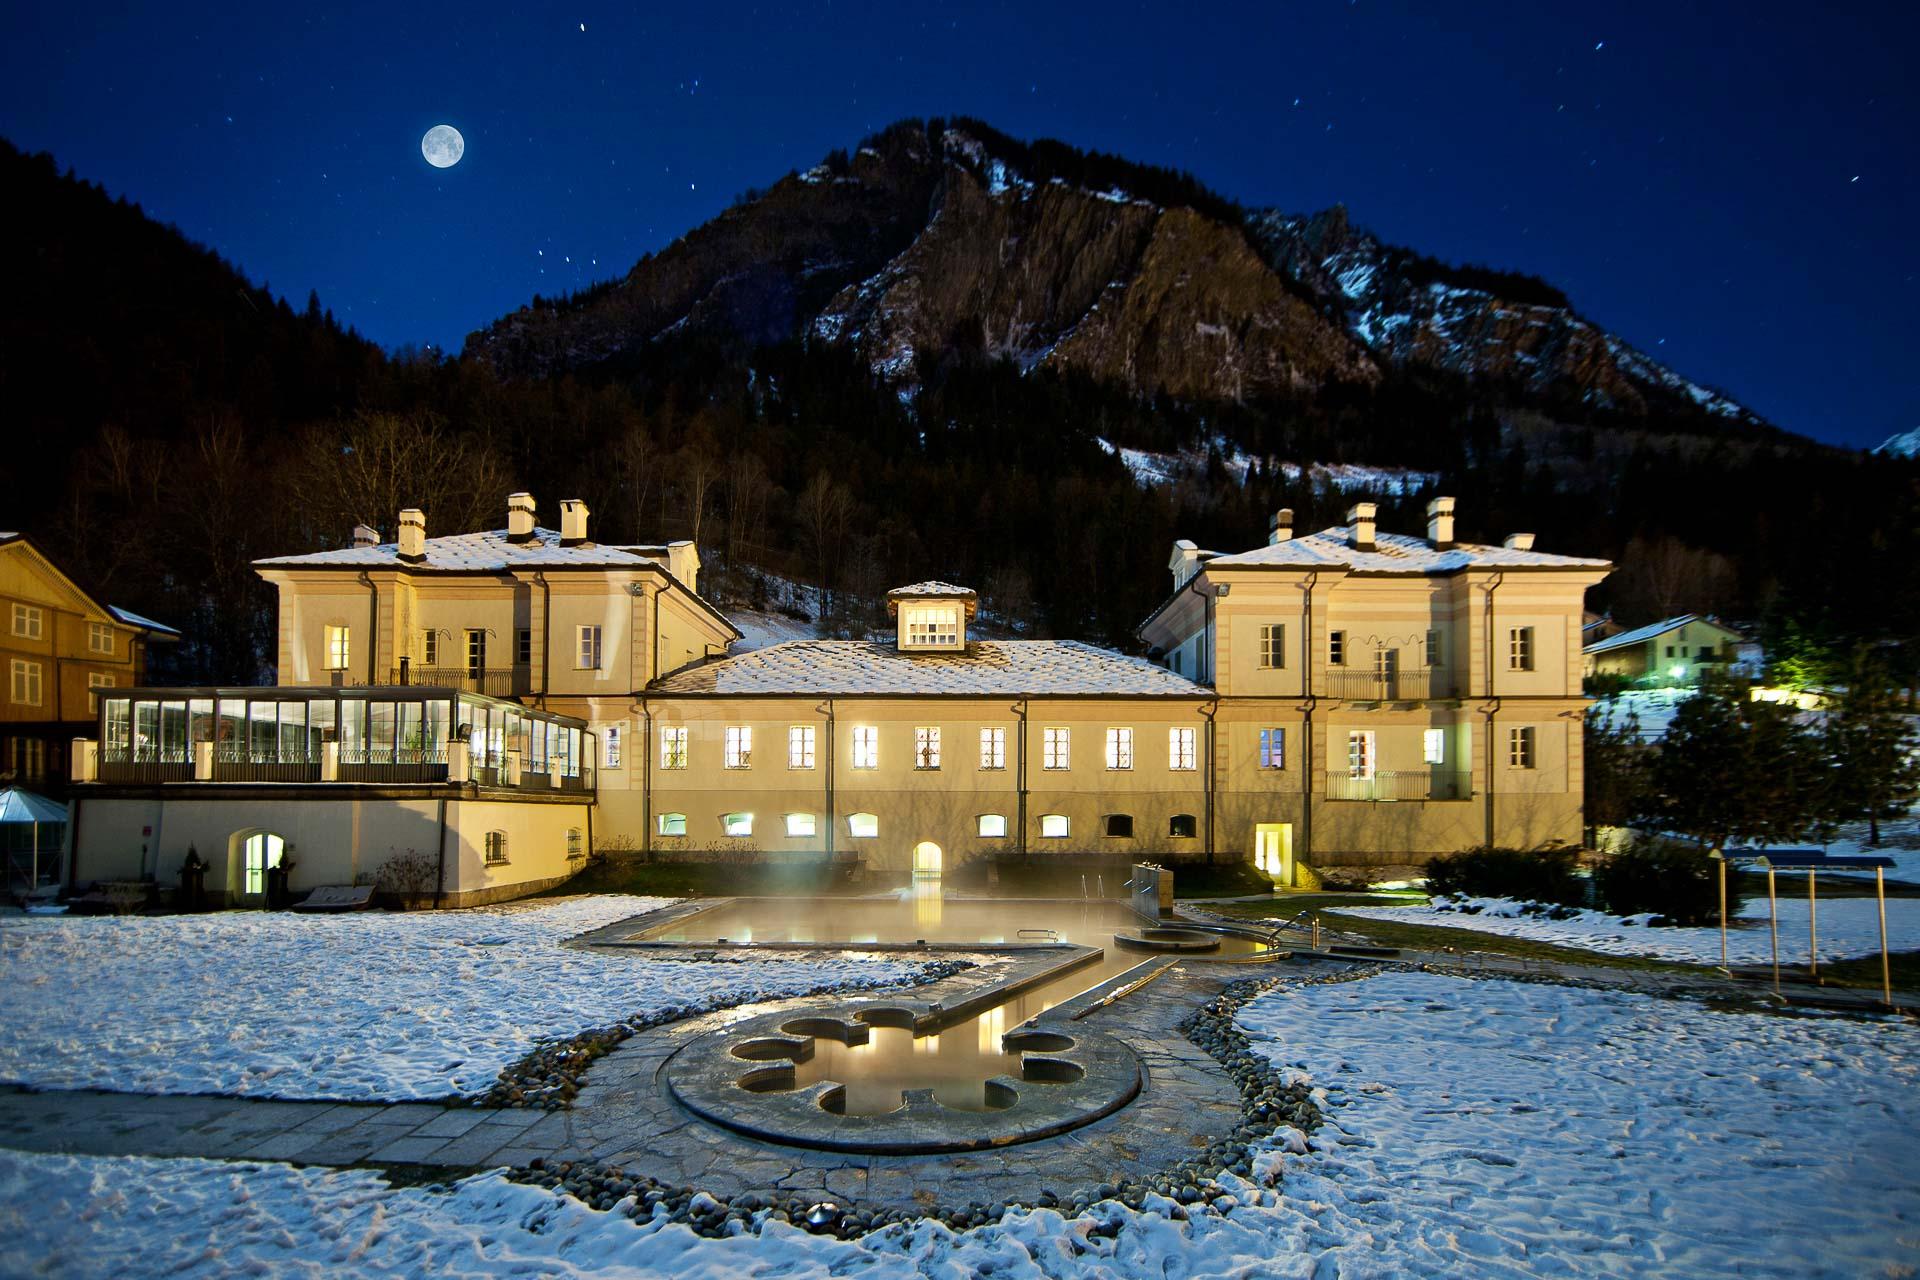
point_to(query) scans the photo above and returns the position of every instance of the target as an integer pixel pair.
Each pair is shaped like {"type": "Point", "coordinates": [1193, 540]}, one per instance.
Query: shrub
{"type": "Point", "coordinates": [408, 876]}
{"type": "Point", "coordinates": [1678, 883]}
{"type": "Point", "coordinates": [1488, 871]}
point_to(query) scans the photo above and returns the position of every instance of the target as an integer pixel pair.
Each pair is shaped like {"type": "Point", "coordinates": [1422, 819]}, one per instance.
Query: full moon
{"type": "Point", "coordinates": [443, 146]}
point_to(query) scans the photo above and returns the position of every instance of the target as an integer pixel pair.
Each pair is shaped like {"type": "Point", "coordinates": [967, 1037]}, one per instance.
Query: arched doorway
{"type": "Point", "coordinates": [250, 855]}
{"type": "Point", "coordinates": [926, 859]}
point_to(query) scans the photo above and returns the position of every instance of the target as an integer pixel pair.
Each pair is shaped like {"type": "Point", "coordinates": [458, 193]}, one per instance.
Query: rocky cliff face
{"type": "Point", "coordinates": [929, 243]}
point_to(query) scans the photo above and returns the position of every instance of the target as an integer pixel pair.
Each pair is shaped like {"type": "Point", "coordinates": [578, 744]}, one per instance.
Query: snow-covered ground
{"type": "Point", "coordinates": [1476, 1129]}
{"type": "Point", "coordinates": [1899, 840]}
{"type": "Point", "coordinates": [1651, 710]}
{"type": "Point", "coordinates": [365, 1006]}
{"type": "Point", "coordinates": [761, 630]}
{"type": "Point", "coordinates": [1846, 927]}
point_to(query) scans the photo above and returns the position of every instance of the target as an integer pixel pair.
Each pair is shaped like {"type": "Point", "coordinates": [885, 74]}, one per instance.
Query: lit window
{"type": "Point", "coordinates": [1273, 645]}
{"type": "Point", "coordinates": [1119, 825]}
{"type": "Point", "coordinates": [866, 747]}
{"type": "Point", "coordinates": [1434, 746]}
{"type": "Point", "coordinates": [1119, 748]}
{"type": "Point", "coordinates": [800, 746]}
{"type": "Point", "coordinates": [800, 824]}
{"type": "Point", "coordinates": [26, 682]}
{"type": "Point", "coordinates": [737, 824]}
{"type": "Point", "coordinates": [1181, 826]}
{"type": "Point", "coordinates": [673, 824]}
{"type": "Point", "coordinates": [496, 847]}
{"type": "Point", "coordinates": [926, 747]}
{"type": "Point", "coordinates": [28, 621]}
{"type": "Point", "coordinates": [1360, 754]}
{"type": "Point", "coordinates": [993, 825]}
{"type": "Point", "coordinates": [1520, 746]}
{"type": "Point", "coordinates": [1273, 748]}
{"type": "Point", "coordinates": [99, 638]}
{"type": "Point", "coordinates": [1520, 649]}
{"type": "Point", "coordinates": [1056, 749]}
{"type": "Point", "coordinates": [1180, 746]}
{"type": "Point", "coordinates": [1432, 653]}
{"type": "Point", "coordinates": [993, 748]}
{"type": "Point", "coordinates": [96, 681]}
{"type": "Point", "coordinates": [429, 648]}
{"type": "Point", "coordinates": [339, 648]}
{"type": "Point", "coordinates": [1336, 648]}
{"type": "Point", "coordinates": [610, 739]}
{"type": "Point", "coordinates": [739, 746]}
{"type": "Point", "coordinates": [1053, 826]}
{"type": "Point", "coordinates": [587, 647]}
{"type": "Point", "coordinates": [575, 849]}
{"type": "Point", "coordinates": [673, 747]}
{"type": "Point", "coordinates": [863, 826]}
{"type": "Point", "coordinates": [932, 626]}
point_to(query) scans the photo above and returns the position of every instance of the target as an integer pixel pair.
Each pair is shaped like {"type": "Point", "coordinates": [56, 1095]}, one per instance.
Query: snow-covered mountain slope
{"type": "Point", "coordinates": [1904, 445]}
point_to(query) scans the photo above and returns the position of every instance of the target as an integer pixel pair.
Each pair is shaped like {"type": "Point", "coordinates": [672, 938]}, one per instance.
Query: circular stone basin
{"type": "Point", "coordinates": [1179, 940]}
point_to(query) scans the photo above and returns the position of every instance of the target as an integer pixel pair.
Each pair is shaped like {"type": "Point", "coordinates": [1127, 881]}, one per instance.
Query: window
{"type": "Point", "coordinates": [1669, 651]}
{"type": "Point", "coordinates": [863, 826]}
{"type": "Point", "coordinates": [28, 620]}
{"type": "Point", "coordinates": [1520, 746]}
{"type": "Point", "coordinates": [1273, 646]}
{"type": "Point", "coordinates": [1434, 746]}
{"type": "Point", "coordinates": [1520, 649]}
{"type": "Point", "coordinates": [737, 824]}
{"type": "Point", "coordinates": [523, 646]}
{"type": "Point", "coordinates": [1360, 754]}
{"type": "Point", "coordinates": [26, 682]}
{"type": "Point", "coordinates": [96, 680]}
{"type": "Point", "coordinates": [800, 825]}
{"type": "Point", "coordinates": [1181, 826]}
{"type": "Point", "coordinates": [27, 757]}
{"type": "Point", "coordinates": [1386, 665]}
{"type": "Point", "coordinates": [1056, 748]}
{"type": "Point", "coordinates": [610, 740]}
{"type": "Point", "coordinates": [993, 748]}
{"type": "Point", "coordinates": [1173, 661]}
{"type": "Point", "coordinates": [932, 626]}
{"type": "Point", "coordinates": [673, 824]}
{"type": "Point", "coordinates": [587, 647]}
{"type": "Point", "coordinates": [1118, 825]}
{"type": "Point", "coordinates": [739, 746]}
{"type": "Point", "coordinates": [1053, 826]}
{"type": "Point", "coordinates": [1180, 748]}
{"type": "Point", "coordinates": [673, 747]}
{"type": "Point", "coordinates": [800, 746]}
{"type": "Point", "coordinates": [476, 651]}
{"type": "Point", "coordinates": [993, 825]}
{"type": "Point", "coordinates": [339, 655]}
{"type": "Point", "coordinates": [1431, 654]}
{"type": "Point", "coordinates": [496, 848]}
{"type": "Point", "coordinates": [99, 638]}
{"type": "Point", "coordinates": [1119, 748]}
{"type": "Point", "coordinates": [1336, 648]}
{"type": "Point", "coordinates": [866, 747]}
{"type": "Point", "coordinates": [1273, 748]}
{"type": "Point", "coordinates": [926, 747]}
{"type": "Point", "coordinates": [575, 850]}
{"type": "Point", "coordinates": [429, 648]}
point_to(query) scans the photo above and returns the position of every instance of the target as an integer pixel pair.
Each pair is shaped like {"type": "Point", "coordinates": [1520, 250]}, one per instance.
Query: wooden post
{"type": "Point", "coordinates": [1722, 855]}
{"type": "Point", "coordinates": [1813, 929]}
{"type": "Point", "coordinates": [1886, 975]}
{"type": "Point", "coordinates": [1773, 928]}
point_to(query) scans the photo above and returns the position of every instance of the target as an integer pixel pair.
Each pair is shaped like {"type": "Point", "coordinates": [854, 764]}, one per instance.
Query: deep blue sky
{"type": "Point", "coordinates": [1731, 187]}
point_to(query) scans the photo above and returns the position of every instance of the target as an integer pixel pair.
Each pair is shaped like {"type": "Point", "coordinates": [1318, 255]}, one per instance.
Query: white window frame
{"type": "Point", "coordinates": [1273, 748]}
{"type": "Point", "coordinates": [1182, 749]}
{"type": "Point", "coordinates": [802, 826]}
{"type": "Point", "coordinates": [931, 626]}
{"type": "Point", "coordinates": [1056, 748]}
{"type": "Point", "coordinates": [100, 638]}
{"type": "Point", "coordinates": [610, 744]}
{"type": "Point", "coordinates": [671, 824]}
{"type": "Point", "coordinates": [673, 746]}
{"type": "Point", "coordinates": [1433, 746]}
{"type": "Point", "coordinates": [863, 826]}
{"type": "Point", "coordinates": [866, 746]}
{"type": "Point", "coordinates": [1519, 648]}
{"type": "Point", "coordinates": [96, 681]}
{"type": "Point", "coordinates": [429, 647]}
{"type": "Point", "coordinates": [993, 747]}
{"type": "Point", "coordinates": [1273, 646]}
{"type": "Point", "coordinates": [926, 746]}
{"type": "Point", "coordinates": [739, 746]}
{"type": "Point", "coordinates": [991, 826]}
{"type": "Point", "coordinates": [586, 647]}
{"type": "Point", "coordinates": [800, 744]}
{"type": "Point", "coordinates": [27, 686]}
{"type": "Point", "coordinates": [1363, 754]}
{"type": "Point", "coordinates": [1055, 826]}
{"type": "Point", "coordinates": [736, 826]}
{"type": "Point", "coordinates": [1119, 749]}
{"type": "Point", "coordinates": [29, 621]}
{"type": "Point", "coordinates": [336, 647]}
{"type": "Point", "coordinates": [1522, 747]}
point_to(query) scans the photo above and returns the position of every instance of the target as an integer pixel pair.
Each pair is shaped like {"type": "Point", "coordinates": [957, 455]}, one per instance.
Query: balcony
{"type": "Point", "coordinates": [362, 763]}
{"type": "Point", "coordinates": [493, 682]}
{"type": "Point", "coordinates": [144, 765]}
{"type": "Point", "coordinates": [1417, 685]}
{"type": "Point", "coordinates": [1399, 784]}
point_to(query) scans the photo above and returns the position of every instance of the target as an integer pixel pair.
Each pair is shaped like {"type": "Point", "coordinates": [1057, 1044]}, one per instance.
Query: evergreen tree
{"type": "Point", "coordinates": [1616, 770]}
{"type": "Point", "coordinates": [1731, 770]}
{"type": "Point", "coordinates": [1874, 747]}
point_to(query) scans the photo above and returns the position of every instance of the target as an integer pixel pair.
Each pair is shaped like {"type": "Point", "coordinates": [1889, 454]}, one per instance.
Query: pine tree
{"type": "Point", "coordinates": [1874, 747]}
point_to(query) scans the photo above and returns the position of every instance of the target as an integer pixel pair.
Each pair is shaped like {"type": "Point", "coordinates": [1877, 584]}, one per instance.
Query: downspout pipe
{"type": "Point", "coordinates": [646, 778]}
{"type": "Point", "coordinates": [373, 624]}
{"type": "Point", "coordinates": [1491, 707]}
{"type": "Point", "coordinates": [546, 634]}
{"type": "Point", "coordinates": [827, 710]}
{"type": "Point", "coordinates": [1307, 787]}
{"type": "Point", "coordinates": [1211, 712]}
{"type": "Point", "coordinates": [440, 869]}
{"type": "Point", "coordinates": [1020, 776]}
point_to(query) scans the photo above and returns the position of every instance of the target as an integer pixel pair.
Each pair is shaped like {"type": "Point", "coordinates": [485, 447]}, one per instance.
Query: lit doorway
{"type": "Point", "coordinates": [926, 860]}
{"type": "Point", "coordinates": [260, 852]}
{"type": "Point", "coordinates": [1273, 851]}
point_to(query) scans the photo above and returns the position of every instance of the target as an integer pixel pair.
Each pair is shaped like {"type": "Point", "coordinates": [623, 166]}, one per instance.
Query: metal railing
{"type": "Point", "coordinates": [362, 763]}
{"type": "Point", "coordinates": [1414, 685]}
{"type": "Point", "coordinates": [142, 767]}
{"type": "Point", "coordinates": [1399, 784]}
{"type": "Point", "coordinates": [495, 682]}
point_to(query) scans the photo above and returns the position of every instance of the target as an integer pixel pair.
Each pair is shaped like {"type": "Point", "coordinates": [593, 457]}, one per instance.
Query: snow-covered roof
{"type": "Point", "coordinates": [133, 619]}
{"type": "Point", "coordinates": [1392, 553]}
{"type": "Point", "coordinates": [988, 668]}
{"type": "Point", "coordinates": [931, 587]}
{"type": "Point", "coordinates": [490, 550]}
{"type": "Point", "coordinates": [1653, 630]}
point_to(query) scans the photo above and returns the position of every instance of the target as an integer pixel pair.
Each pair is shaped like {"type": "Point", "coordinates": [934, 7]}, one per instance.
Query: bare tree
{"type": "Point", "coordinates": [823, 510]}
{"type": "Point", "coordinates": [367, 468]}
{"type": "Point", "coordinates": [638, 459]}
{"type": "Point", "coordinates": [1664, 577]}
{"type": "Point", "coordinates": [698, 466]}
{"type": "Point", "coordinates": [747, 489]}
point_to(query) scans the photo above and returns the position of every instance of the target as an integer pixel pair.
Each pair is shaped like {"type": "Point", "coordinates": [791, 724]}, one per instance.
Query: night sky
{"type": "Point", "coordinates": [1730, 187]}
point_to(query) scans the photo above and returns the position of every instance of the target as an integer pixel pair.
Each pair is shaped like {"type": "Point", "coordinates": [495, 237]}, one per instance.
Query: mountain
{"type": "Point", "coordinates": [1904, 445]}
{"type": "Point", "coordinates": [940, 240]}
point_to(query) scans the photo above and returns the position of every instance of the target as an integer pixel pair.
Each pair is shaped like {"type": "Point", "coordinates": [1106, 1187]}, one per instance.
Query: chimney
{"type": "Point", "coordinates": [519, 517]}
{"type": "Point", "coordinates": [1520, 542]}
{"type": "Point", "coordinates": [413, 535]}
{"type": "Point", "coordinates": [1440, 523]}
{"type": "Point", "coordinates": [365, 535]}
{"type": "Point", "coordinates": [573, 522]}
{"type": "Point", "coordinates": [1280, 527]}
{"type": "Point", "coordinates": [1184, 562]}
{"type": "Point", "coordinates": [1360, 516]}
{"type": "Point", "coordinates": [683, 560]}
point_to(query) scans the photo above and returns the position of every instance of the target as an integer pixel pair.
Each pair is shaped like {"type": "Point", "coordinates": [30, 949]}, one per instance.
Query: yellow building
{"type": "Point", "coordinates": [59, 648]}
{"type": "Point", "coordinates": [1674, 651]}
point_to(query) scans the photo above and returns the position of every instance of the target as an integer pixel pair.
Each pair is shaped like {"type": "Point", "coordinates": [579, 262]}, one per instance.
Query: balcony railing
{"type": "Point", "coordinates": [1400, 784]}
{"type": "Point", "coordinates": [143, 765]}
{"type": "Point", "coordinates": [494, 682]}
{"type": "Point", "coordinates": [1415, 685]}
{"type": "Point", "coordinates": [359, 763]}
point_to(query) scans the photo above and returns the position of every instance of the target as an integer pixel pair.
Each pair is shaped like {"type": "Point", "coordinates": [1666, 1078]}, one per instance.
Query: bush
{"type": "Point", "coordinates": [409, 877]}
{"type": "Point", "coordinates": [1678, 883]}
{"type": "Point", "coordinates": [1529, 875]}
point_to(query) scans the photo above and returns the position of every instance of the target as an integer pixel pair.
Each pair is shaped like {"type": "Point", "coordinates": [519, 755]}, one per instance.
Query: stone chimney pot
{"type": "Point", "coordinates": [573, 522]}
{"type": "Point", "coordinates": [1361, 517]}
{"type": "Point", "coordinates": [365, 535]}
{"type": "Point", "coordinates": [1520, 542]}
{"type": "Point", "coordinates": [1440, 523]}
{"type": "Point", "coordinates": [519, 517]}
{"type": "Point", "coordinates": [413, 535]}
{"type": "Point", "coordinates": [1280, 527]}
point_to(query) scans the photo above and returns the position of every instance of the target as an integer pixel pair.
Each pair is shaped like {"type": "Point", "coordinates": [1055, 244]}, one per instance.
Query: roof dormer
{"type": "Point", "coordinates": [932, 616]}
